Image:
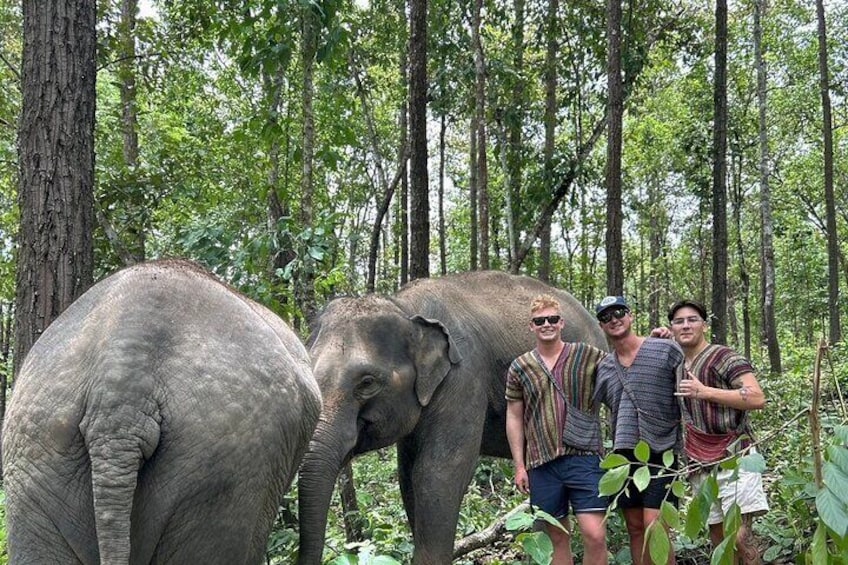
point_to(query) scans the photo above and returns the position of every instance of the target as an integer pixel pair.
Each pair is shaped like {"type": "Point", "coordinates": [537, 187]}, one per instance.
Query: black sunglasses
{"type": "Point", "coordinates": [608, 315]}
{"type": "Point", "coordinates": [552, 320]}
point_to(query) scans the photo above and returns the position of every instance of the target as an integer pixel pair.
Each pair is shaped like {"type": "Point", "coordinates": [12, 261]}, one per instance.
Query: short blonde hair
{"type": "Point", "coordinates": [544, 301]}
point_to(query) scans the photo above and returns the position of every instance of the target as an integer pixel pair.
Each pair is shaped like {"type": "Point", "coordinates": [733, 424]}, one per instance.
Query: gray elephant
{"type": "Point", "coordinates": [425, 368]}
{"type": "Point", "coordinates": [159, 419]}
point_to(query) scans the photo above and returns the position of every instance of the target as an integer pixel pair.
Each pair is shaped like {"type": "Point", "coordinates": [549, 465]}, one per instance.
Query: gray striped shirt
{"type": "Point", "coordinates": [651, 382]}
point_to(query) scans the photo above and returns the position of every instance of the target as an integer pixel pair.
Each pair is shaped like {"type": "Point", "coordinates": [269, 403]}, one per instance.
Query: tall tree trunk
{"type": "Point", "coordinates": [56, 154]}
{"type": "Point", "coordinates": [655, 203]}
{"type": "Point", "coordinates": [737, 192]}
{"type": "Point", "coordinates": [129, 124]}
{"type": "Point", "coordinates": [304, 285]}
{"type": "Point", "coordinates": [834, 328]}
{"type": "Point", "coordinates": [419, 209]}
{"type": "Point", "coordinates": [403, 158]}
{"type": "Point", "coordinates": [767, 226]}
{"type": "Point", "coordinates": [443, 246]}
{"type": "Point", "coordinates": [552, 37]}
{"type": "Point", "coordinates": [480, 111]}
{"type": "Point", "coordinates": [514, 120]}
{"type": "Point", "coordinates": [615, 113]}
{"type": "Point", "coordinates": [719, 193]}
{"type": "Point", "coordinates": [472, 192]}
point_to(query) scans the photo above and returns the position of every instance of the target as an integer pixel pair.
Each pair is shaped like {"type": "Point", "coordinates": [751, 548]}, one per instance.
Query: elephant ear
{"type": "Point", "coordinates": [434, 355]}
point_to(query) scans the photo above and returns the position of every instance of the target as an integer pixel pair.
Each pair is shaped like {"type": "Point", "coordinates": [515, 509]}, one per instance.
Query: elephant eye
{"type": "Point", "coordinates": [368, 386]}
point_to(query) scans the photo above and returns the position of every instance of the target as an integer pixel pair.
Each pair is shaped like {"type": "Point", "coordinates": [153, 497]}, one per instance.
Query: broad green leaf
{"type": "Point", "coordinates": [642, 451]}
{"type": "Point", "coordinates": [836, 481]}
{"type": "Point", "coordinates": [725, 553]}
{"type": "Point", "coordinates": [345, 559]}
{"type": "Point", "coordinates": [613, 480]}
{"type": "Point", "coordinates": [385, 560]}
{"type": "Point", "coordinates": [614, 460]}
{"type": "Point", "coordinates": [659, 545]}
{"type": "Point", "coordinates": [818, 547]}
{"type": "Point", "coordinates": [838, 456]}
{"type": "Point", "coordinates": [732, 519]}
{"type": "Point", "coordinates": [545, 517]}
{"type": "Point", "coordinates": [841, 433]}
{"type": "Point", "coordinates": [670, 514]}
{"type": "Point", "coordinates": [678, 487]}
{"type": "Point", "coordinates": [730, 464]}
{"type": "Point", "coordinates": [538, 546]}
{"type": "Point", "coordinates": [753, 463]}
{"type": "Point", "coordinates": [709, 489]}
{"type": "Point", "coordinates": [642, 477]}
{"type": "Point", "coordinates": [832, 511]}
{"type": "Point", "coordinates": [694, 520]}
{"type": "Point", "coordinates": [520, 521]}
{"type": "Point", "coordinates": [668, 458]}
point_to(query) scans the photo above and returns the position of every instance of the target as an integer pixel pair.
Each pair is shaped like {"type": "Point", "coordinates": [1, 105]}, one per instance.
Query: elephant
{"type": "Point", "coordinates": [426, 369]}
{"type": "Point", "coordinates": [159, 419]}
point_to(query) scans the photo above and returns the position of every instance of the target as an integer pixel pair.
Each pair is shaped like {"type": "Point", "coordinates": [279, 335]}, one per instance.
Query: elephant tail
{"type": "Point", "coordinates": [118, 439]}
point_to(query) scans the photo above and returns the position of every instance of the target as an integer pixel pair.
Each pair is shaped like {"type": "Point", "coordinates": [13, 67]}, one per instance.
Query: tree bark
{"type": "Point", "coordinates": [419, 209]}
{"type": "Point", "coordinates": [472, 193]}
{"type": "Point", "coordinates": [56, 151]}
{"type": "Point", "coordinates": [480, 112]}
{"type": "Point", "coordinates": [615, 114]}
{"type": "Point", "coordinates": [834, 327]}
{"type": "Point", "coordinates": [719, 189]}
{"type": "Point", "coordinates": [767, 225]}
{"type": "Point", "coordinates": [443, 236]}
{"type": "Point", "coordinates": [550, 122]}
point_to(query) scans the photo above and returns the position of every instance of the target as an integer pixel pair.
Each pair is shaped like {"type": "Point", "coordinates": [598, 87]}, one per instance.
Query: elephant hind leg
{"type": "Point", "coordinates": [37, 540]}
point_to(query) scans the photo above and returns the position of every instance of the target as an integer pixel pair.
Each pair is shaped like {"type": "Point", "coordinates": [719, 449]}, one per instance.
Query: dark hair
{"type": "Point", "coordinates": [687, 303]}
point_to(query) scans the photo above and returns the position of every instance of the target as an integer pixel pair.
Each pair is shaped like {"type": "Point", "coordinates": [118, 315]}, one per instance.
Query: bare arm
{"type": "Point", "coordinates": [515, 436]}
{"type": "Point", "coordinates": [749, 396]}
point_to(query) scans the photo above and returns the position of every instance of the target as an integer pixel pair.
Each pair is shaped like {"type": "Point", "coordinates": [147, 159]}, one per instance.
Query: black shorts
{"type": "Point", "coordinates": [658, 489]}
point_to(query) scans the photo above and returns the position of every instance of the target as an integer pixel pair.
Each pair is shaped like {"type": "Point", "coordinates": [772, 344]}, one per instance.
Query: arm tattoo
{"type": "Point", "coordinates": [744, 392]}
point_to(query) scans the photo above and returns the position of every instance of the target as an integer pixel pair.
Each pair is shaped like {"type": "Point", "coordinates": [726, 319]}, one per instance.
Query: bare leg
{"type": "Point", "coordinates": [636, 532]}
{"type": "Point", "coordinates": [746, 548]}
{"type": "Point", "coordinates": [562, 543]}
{"type": "Point", "coordinates": [593, 530]}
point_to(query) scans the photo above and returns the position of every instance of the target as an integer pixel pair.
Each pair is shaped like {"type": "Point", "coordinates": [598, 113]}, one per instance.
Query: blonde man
{"type": "Point", "coordinates": [554, 432]}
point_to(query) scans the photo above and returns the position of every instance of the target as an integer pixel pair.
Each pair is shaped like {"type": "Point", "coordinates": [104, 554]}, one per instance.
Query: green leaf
{"type": "Point", "coordinates": [659, 545]}
{"type": "Point", "coordinates": [613, 480]}
{"type": "Point", "coordinates": [832, 511]}
{"type": "Point", "coordinates": [819, 545]}
{"type": "Point", "coordinates": [838, 456]}
{"type": "Point", "coordinates": [538, 546]}
{"type": "Point", "coordinates": [614, 460]}
{"type": "Point", "coordinates": [642, 451]}
{"type": "Point", "coordinates": [694, 521]}
{"type": "Point", "coordinates": [545, 517]}
{"type": "Point", "coordinates": [668, 459]}
{"type": "Point", "coordinates": [732, 520]}
{"type": "Point", "coordinates": [836, 481]}
{"type": "Point", "coordinates": [670, 514]}
{"type": "Point", "coordinates": [729, 464]}
{"type": "Point", "coordinates": [841, 433]}
{"type": "Point", "coordinates": [642, 477]}
{"type": "Point", "coordinates": [753, 463]}
{"type": "Point", "coordinates": [678, 487]}
{"type": "Point", "coordinates": [345, 559]}
{"type": "Point", "coordinates": [520, 521]}
{"type": "Point", "coordinates": [772, 553]}
{"type": "Point", "coordinates": [724, 554]}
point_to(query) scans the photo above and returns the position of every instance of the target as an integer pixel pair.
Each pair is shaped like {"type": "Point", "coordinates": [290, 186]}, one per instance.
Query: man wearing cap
{"type": "Point", "coordinates": [718, 387]}
{"type": "Point", "coordinates": [554, 433]}
{"type": "Point", "coordinates": [637, 383]}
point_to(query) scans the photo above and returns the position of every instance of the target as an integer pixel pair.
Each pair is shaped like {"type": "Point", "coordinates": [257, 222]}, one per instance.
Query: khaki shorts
{"type": "Point", "coordinates": [747, 491]}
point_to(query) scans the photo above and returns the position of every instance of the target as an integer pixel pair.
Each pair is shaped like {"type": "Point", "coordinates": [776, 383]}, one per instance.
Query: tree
{"type": "Point", "coordinates": [56, 153]}
{"type": "Point", "coordinates": [767, 225]}
{"type": "Point", "coordinates": [834, 329]}
{"type": "Point", "coordinates": [419, 201]}
{"type": "Point", "coordinates": [480, 113]}
{"type": "Point", "coordinates": [615, 112]}
{"type": "Point", "coordinates": [719, 188]}
{"type": "Point", "coordinates": [550, 121]}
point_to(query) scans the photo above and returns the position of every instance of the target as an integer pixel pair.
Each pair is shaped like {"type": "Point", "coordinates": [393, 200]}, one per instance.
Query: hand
{"type": "Point", "coordinates": [690, 387]}
{"type": "Point", "coordinates": [662, 332]}
{"type": "Point", "coordinates": [522, 481]}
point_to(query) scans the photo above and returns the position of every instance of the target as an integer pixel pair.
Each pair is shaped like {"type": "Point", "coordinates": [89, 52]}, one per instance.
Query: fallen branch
{"type": "Point", "coordinates": [486, 537]}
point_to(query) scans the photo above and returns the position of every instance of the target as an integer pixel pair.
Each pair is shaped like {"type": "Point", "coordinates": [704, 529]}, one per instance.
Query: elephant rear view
{"type": "Point", "coordinates": [159, 419]}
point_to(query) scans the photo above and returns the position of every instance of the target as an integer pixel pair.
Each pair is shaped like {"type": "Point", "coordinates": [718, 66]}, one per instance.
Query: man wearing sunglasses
{"type": "Point", "coordinates": [637, 383]}
{"type": "Point", "coordinates": [554, 433]}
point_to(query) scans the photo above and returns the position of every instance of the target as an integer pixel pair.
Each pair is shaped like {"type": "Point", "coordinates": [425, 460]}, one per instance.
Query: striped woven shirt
{"type": "Point", "coordinates": [528, 380]}
{"type": "Point", "coordinates": [718, 366]}
{"type": "Point", "coordinates": [651, 380]}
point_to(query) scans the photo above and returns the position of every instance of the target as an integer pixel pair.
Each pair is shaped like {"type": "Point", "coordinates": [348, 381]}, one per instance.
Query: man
{"type": "Point", "coordinates": [718, 389]}
{"type": "Point", "coordinates": [554, 432]}
{"type": "Point", "coordinates": [637, 383]}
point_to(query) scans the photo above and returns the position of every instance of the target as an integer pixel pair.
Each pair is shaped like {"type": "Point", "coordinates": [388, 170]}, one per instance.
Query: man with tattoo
{"type": "Point", "coordinates": [718, 388]}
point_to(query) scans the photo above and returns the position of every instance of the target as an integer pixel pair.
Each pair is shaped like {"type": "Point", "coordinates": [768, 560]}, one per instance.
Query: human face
{"type": "Point", "coordinates": [547, 332]}
{"type": "Point", "coordinates": [619, 321]}
{"type": "Point", "coordinates": [688, 327]}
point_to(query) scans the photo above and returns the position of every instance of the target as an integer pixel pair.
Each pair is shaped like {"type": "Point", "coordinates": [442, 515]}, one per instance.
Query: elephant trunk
{"type": "Point", "coordinates": [317, 479]}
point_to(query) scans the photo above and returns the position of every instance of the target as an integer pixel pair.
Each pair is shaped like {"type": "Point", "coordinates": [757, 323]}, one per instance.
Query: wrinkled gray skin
{"type": "Point", "coordinates": [424, 369]}
{"type": "Point", "coordinates": [159, 419]}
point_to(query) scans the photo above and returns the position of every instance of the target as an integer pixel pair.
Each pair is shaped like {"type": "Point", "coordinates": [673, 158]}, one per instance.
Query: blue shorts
{"type": "Point", "coordinates": [658, 488]}
{"type": "Point", "coordinates": [568, 480]}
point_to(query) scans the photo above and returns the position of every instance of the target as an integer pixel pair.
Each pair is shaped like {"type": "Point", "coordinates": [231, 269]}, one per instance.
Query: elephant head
{"type": "Point", "coordinates": [377, 368]}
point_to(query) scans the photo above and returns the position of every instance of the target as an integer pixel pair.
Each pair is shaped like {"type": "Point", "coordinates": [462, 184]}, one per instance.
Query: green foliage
{"type": "Point", "coordinates": [4, 555]}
